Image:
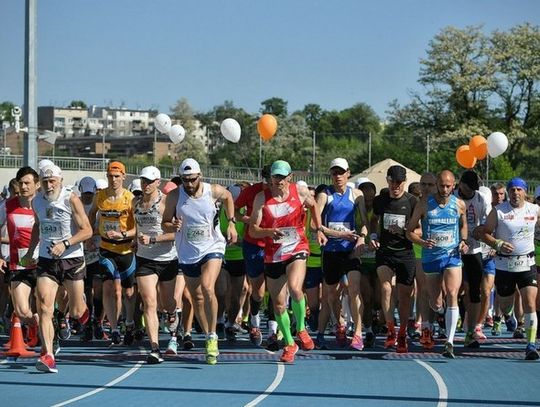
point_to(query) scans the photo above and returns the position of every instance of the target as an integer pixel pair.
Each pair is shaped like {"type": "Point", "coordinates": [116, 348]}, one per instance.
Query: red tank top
{"type": "Point", "coordinates": [288, 216]}
{"type": "Point", "coordinates": [20, 222]}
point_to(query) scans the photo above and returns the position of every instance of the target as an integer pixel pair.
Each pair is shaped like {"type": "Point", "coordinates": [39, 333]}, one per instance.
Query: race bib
{"type": "Point", "coordinates": [518, 264]}
{"type": "Point", "coordinates": [147, 220]}
{"type": "Point", "coordinates": [442, 239]}
{"type": "Point", "coordinates": [50, 230]}
{"type": "Point", "coordinates": [196, 234]}
{"type": "Point", "coordinates": [290, 235]}
{"type": "Point", "coordinates": [393, 223]}
{"type": "Point", "coordinates": [111, 226]}
{"type": "Point", "coordinates": [339, 226]}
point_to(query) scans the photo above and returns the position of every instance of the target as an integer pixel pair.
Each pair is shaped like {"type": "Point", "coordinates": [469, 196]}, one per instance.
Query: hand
{"type": "Point", "coordinates": [321, 238]}
{"type": "Point", "coordinates": [506, 248]}
{"type": "Point", "coordinates": [463, 247]}
{"type": "Point", "coordinates": [374, 245]}
{"type": "Point", "coordinates": [177, 223]}
{"type": "Point", "coordinates": [349, 235]}
{"type": "Point", "coordinates": [232, 234]}
{"type": "Point", "coordinates": [428, 243]}
{"type": "Point", "coordinates": [359, 247]}
{"type": "Point", "coordinates": [114, 235]}
{"type": "Point", "coordinates": [56, 249]}
{"type": "Point", "coordinates": [144, 239]}
{"type": "Point", "coordinates": [277, 234]}
{"type": "Point", "coordinates": [3, 265]}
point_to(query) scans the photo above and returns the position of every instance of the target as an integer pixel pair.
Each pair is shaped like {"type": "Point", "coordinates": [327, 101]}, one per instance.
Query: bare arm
{"type": "Point", "coordinates": [255, 220]}
{"type": "Point", "coordinates": [169, 223]}
{"type": "Point", "coordinates": [316, 222]}
{"type": "Point", "coordinates": [413, 233]}
{"type": "Point", "coordinates": [224, 196]}
{"type": "Point", "coordinates": [463, 227]}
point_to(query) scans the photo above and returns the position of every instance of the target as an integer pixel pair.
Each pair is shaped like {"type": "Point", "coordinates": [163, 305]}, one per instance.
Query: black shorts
{"type": "Point", "coordinates": [506, 281]}
{"type": "Point", "coordinates": [27, 277]}
{"type": "Point", "coordinates": [276, 270]}
{"type": "Point", "coordinates": [116, 266]}
{"type": "Point", "coordinates": [473, 270]}
{"type": "Point", "coordinates": [58, 270]}
{"type": "Point", "coordinates": [236, 268]}
{"type": "Point", "coordinates": [93, 271]}
{"type": "Point", "coordinates": [402, 263]}
{"type": "Point", "coordinates": [165, 270]}
{"type": "Point", "coordinates": [337, 264]}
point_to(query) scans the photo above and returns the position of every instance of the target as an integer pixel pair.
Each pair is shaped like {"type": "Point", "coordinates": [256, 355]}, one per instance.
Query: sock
{"type": "Point", "coordinates": [83, 319]}
{"type": "Point", "coordinates": [255, 321]}
{"type": "Point", "coordinates": [452, 315]}
{"type": "Point", "coordinates": [272, 327]}
{"type": "Point", "coordinates": [299, 311]}
{"type": "Point", "coordinates": [173, 321]}
{"type": "Point", "coordinates": [531, 324]}
{"type": "Point", "coordinates": [284, 324]}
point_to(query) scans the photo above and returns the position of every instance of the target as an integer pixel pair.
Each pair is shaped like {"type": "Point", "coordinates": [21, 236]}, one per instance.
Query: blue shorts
{"type": "Point", "coordinates": [453, 260]}
{"type": "Point", "coordinates": [254, 259]}
{"type": "Point", "coordinates": [314, 277]}
{"type": "Point", "coordinates": [194, 270]}
{"type": "Point", "coordinates": [489, 266]}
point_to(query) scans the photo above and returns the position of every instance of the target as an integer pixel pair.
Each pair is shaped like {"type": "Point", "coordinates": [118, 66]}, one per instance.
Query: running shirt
{"type": "Point", "coordinates": [234, 251]}
{"type": "Point", "coordinates": [517, 226]}
{"type": "Point", "coordinates": [200, 233]}
{"type": "Point", "coordinates": [440, 224]}
{"type": "Point", "coordinates": [314, 259]}
{"type": "Point", "coordinates": [245, 199]}
{"type": "Point", "coordinates": [394, 215]}
{"type": "Point", "coordinates": [56, 223]}
{"type": "Point", "coordinates": [339, 214]}
{"type": "Point", "coordinates": [115, 215]}
{"type": "Point", "coordinates": [288, 216]}
{"type": "Point", "coordinates": [149, 223]}
{"type": "Point", "coordinates": [19, 222]}
{"type": "Point", "coordinates": [476, 210]}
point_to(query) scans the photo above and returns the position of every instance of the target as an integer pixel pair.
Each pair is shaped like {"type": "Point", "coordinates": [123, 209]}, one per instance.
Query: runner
{"type": "Point", "coordinates": [443, 238]}
{"type": "Point", "coordinates": [60, 227]}
{"type": "Point", "coordinates": [191, 211]}
{"type": "Point", "coordinates": [278, 217]}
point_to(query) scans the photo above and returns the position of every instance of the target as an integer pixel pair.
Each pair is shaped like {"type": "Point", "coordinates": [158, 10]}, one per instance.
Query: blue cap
{"type": "Point", "coordinates": [280, 167]}
{"type": "Point", "coordinates": [517, 182]}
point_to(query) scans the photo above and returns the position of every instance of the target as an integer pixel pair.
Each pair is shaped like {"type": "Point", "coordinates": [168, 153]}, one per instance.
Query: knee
{"type": "Point", "coordinates": [208, 291]}
{"type": "Point", "coordinates": [23, 311]}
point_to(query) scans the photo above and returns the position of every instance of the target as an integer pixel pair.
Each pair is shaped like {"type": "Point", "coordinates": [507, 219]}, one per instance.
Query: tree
{"type": "Point", "coordinates": [183, 112]}
{"type": "Point", "coordinates": [78, 103]}
{"type": "Point", "coordinates": [5, 111]}
{"type": "Point", "coordinates": [275, 106]}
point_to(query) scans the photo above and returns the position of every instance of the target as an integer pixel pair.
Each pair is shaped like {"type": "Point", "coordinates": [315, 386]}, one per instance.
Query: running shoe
{"type": "Point", "coordinates": [401, 346]}
{"type": "Point", "coordinates": [341, 336]}
{"type": "Point", "coordinates": [470, 341]}
{"type": "Point", "coordinates": [479, 335]}
{"type": "Point", "coordinates": [56, 346]}
{"type": "Point", "coordinates": [212, 352]}
{"type": "Point", "coordinates": [489, 321]}
{"type": "Point", "coordinates": [87, 333]}
{"type": "Point", "coordinates": [239, 329]}
{"type": "Point", "coordinates": [411, 328]}
{"type": "Point", "coordinates": [46, 364]}
{"type": "Point", "coordinates": [370, 340]}
{"type": "Point", "coordinates": [288, 353]}
{"type": "Point", "coordinates": [511, 323]}
{"type": "Point", "coordinates": [129, 336]}
{"type": "Point", "coordinates": [391, 339]}
{"type": "Point", "coordinates": [496, 330]}
{"type": "Point", "coordinates": [154, 357]}
{"type": "Point", "coordinates": [320, 342]}
{"type": "Point", "coordinates": [187, 342]}
{"type": "Point", "coordinates": [230, 334]}
{"type": "Point", "coordinates": [519, 333]}
{"type": "Point", "coordinates": [306, 343]}
{"type": "Point", "coordinates": [220, 330]}
{"type": "Point", "coordinates": [139, 334]}
{"type": "Point", "coordinates": [357, 343]}
{"type": "Point", "coordinates": [530, 352]}
{"type": "Point", "coordinates": [98, 330]}
{"type": "Point", "coordinates": [448, 351]}
{"type": "Point", "coordinates": [426, 340]}
{"type": "Point", "coordinates": [64, 330]}
{"type": "Point", "coordinates": [272, 343]}
{"type": "Point", "coordinates": [116, 338]}
{"type": "Point", "coordinates": [255, 336]}
{"type": "Point", "coordinates": [172, 347]}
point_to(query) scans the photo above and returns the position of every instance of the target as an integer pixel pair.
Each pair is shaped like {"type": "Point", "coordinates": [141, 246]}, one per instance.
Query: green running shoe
{"type": "Point", "coordinates": [212, 351]}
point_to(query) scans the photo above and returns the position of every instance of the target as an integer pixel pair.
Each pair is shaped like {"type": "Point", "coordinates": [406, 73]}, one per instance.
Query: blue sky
{"type": "Point", "coordinates": [149, 54]}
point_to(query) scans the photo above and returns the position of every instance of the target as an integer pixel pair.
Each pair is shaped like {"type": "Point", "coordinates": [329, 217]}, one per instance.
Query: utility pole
{"type": "Point", "coordinates": [427, 153]}
{"type": "Point", "coordinates": [314, 146]}
{"type": "Point", "coordinates": [369, 150]}
{"type": "Point", "coordinates": [30, 85]}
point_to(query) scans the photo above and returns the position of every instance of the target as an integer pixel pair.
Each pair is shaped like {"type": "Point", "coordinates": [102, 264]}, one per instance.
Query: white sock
{"type": "Point", "coordinates": [452, 316]}
{"type": "Point", "coordinates": [255, 321]}
{"type": "Point", "coordinates": [272, 327]}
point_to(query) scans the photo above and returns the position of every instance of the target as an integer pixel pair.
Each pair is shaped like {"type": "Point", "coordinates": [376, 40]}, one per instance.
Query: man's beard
{"type": "Point", "coordinates": [52, 196]}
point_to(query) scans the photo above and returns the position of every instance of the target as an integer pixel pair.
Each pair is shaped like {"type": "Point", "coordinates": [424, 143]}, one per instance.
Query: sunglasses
{"type": "Point", "coordinates": [189, 180]}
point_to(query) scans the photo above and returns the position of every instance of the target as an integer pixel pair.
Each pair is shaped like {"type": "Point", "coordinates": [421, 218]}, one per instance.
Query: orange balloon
{"type": "Point", "coordinates": [465, 157]}
{"type": "Point", "coordinates": [267, 126]}
{"type": "Point", "coordinates": [478, 146]}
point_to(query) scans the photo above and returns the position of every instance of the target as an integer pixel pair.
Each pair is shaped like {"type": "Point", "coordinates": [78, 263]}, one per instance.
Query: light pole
{"type": "Point", "coordinates": [314, 146]}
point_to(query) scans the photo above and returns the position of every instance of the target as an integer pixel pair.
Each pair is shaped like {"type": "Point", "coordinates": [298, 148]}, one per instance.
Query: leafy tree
{"type": "Point", "coordinates": [78, 103]}
{"type": "Point", "coordinates": [5, 111]}
{"type": "Point", "coordinates": [275, 106]}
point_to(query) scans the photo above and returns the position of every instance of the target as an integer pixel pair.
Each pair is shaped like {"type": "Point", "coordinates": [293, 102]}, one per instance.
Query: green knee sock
{"type": "Point", "coordinates": [284, 324]}
{"type": "Point", "coordinates": [299, 311]}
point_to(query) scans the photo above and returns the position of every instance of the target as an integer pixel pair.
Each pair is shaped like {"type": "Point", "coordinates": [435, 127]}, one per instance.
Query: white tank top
{"type": "Point", "coordinates": [56, 223]}
{"type": "Point", "coordinates": [476, 210]}
{"type": "Point", "coordinates": [200, 232]}
{"type": "Point", "coordinates": [148, 222]}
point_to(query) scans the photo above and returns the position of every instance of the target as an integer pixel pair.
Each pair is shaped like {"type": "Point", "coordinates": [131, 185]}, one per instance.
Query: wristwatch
{"type": "Point", "coordinates": [124, 234]}
{"type": "Point", "coordinates": [152, 240]}
{"type": "Point", "coordinates": [66, 243]}
{"type": "Point", "coordinates": [233, 220]}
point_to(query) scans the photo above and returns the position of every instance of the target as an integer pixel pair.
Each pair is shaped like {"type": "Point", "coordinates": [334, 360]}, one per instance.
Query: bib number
{"type": "Point", "coordinates": [197, 234]}
{"type": "Point", "coordinates": [394, 223]}
{"type": "Point", "coordinates": [290, 235]}
{"type": "Point", "coordinates": [111, 226]}
{"type": "Point", "coordinates": [518, 264]}
{"type": "Point", "coordinates": [339, 226]}
{"type": "Point", "coordinates": [51, 230]}
{"type": "Point", "coordinates": [442, 239]}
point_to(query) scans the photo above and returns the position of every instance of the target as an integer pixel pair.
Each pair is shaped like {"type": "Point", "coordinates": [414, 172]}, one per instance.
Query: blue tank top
{"type": "Point", "coordinates": [442, 225]}
{"type": "Point", "coordinates": [339, 214]}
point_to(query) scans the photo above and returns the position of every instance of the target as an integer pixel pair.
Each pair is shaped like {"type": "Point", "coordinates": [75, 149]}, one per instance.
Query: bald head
{"type": "Point", "coordinates": [447, 175]}
{"type": "Point", "coordinates": [445, 183]}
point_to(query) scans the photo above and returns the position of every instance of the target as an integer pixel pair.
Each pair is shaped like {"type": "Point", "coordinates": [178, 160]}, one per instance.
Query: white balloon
{"type": "Point", "coordinates": [162, 123]}
{"type": "Point", "coordinates": [231, 130]}
{"type": "Point", "coordinates": [497, 144]}
{"type": "Point", "coordinates": [177, 134]}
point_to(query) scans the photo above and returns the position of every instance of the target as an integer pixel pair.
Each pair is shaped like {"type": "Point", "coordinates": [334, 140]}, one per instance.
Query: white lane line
{"type": "Point", "coordinates": [104, 387]}
{"type": "Point", "coordinates": [277, 380]}
{"type": "Point", "coordinates": [443, 390]}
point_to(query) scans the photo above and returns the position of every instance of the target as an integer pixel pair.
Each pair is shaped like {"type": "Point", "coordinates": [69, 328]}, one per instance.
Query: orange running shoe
{"type": "Point", "coordinates": [426, 340]}
{"type": "Point", "coordinates": [288, 353]}
{"type": "Point", "coordinates": [306, 343]}
{"type": "Point", "coordinates": [402, 343]}
{"type": "Point", "coordinates": [390, 339]}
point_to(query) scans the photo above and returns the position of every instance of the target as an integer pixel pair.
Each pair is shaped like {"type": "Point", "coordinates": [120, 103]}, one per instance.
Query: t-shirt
{"type": "Point", "coordinates": [394, 215]}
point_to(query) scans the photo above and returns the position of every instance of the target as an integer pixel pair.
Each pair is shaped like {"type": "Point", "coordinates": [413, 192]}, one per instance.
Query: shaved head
{"type": "Point", "coordinates": [446, 175]}
{"type": "Point", "coordinates": [445, 183]}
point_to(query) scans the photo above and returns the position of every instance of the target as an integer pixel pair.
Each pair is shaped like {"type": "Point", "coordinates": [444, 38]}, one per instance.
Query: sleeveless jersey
{"type": "Point", "coordinates": [288, 216]}
{"type": "Point", "coordinates": [20, 222]}
{"type": "Point", "coordinates": [200, 233]}
{"type": "Point", "coordinates": [232, 252]}
{"type": "Point", "coordinates": [149, 223]}
{"type": "Point", "coordinates": [56, 223]}
{"type": "Point", "coordinates": [339, 214]}
{"type": "Point", "coordinates": [441, 224]}
{"type": "Point", "coordinates": [115, 215]}
{"type": "Point", "coordinates": [245, 199]}
{"type": "Point", "coordinates": [476, 209]}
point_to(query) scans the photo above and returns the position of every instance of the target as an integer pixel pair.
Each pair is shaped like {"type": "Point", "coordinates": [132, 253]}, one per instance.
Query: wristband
{"type": "Point", "coordinates": [124, 234]}
{"type": "Point", "coordinates": [320, 229]}
{"type": "Point", "coordinates": [233, 220]}
{"type": "Point", "coordinates": [498, 244]}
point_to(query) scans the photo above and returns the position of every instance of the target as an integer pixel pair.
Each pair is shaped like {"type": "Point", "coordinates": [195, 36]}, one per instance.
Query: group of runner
{"type": "Point", "coordinates": [337, 252]}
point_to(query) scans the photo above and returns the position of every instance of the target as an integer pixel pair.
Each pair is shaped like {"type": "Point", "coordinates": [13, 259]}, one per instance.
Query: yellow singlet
{"type": "Point", "coordinates": [115, 215]}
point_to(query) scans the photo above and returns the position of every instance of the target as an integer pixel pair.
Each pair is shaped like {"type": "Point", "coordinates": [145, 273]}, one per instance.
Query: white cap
{"type": "Point", "coordinates": [301, 183]}
{"type": "Point", "coordinates": [361, 181]}
{"type": "Point", "coordinates": [135, 185]}
{"type": "Point", "coordinates": [102, 183]}
{"type": "Point", "coordinates": [339, 162]}
{"type": "Point", "coordinates": [235, 191]}
{"type": "Point", "coordinates": [189, 166]}
{"type": "Point", "coordinates": [50, 171]}
{"type": "Point", "coordinates": [44, 163]}
{"type": "Point", "coordinates": [151, 173]}
{"type": "Point", "coordinates": [537, 192]}
{"type": "Point", "coordinates": [87, 184]}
